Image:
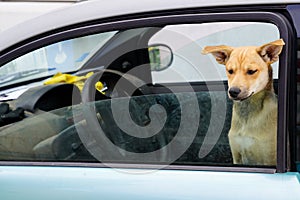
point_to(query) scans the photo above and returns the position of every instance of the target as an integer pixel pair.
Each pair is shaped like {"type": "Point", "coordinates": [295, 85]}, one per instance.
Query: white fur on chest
{"type": "Point", "coordinates": [244, 142]}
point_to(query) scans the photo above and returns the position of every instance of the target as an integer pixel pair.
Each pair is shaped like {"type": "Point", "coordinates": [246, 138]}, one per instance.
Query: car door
{"type": "Point", "coordinates": [151, 129]}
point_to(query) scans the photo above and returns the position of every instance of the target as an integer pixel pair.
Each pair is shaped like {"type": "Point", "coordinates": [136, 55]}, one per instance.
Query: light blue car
{"type": "Point", "coordinates": [114, 100]}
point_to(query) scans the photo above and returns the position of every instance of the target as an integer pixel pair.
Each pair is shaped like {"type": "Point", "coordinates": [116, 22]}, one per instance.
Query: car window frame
{"type": "Point", "coordinates": [160, 19]}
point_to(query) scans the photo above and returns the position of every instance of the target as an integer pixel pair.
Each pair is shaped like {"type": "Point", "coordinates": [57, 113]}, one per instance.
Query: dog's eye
{"type": "Point", "coordinates": [230, 71]}
{"type": "Point", "coordinates": [251, 72]}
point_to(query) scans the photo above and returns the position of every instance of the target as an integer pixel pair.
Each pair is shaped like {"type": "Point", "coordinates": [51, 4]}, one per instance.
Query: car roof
{"type": "Point", "coordinates": [97, 9]}
{"type": "Point", "coordinates": [14, 12]}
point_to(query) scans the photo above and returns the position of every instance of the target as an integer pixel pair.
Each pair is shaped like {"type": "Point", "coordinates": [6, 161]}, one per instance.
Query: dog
{"type": "Point", "coordinates": [253, 132]}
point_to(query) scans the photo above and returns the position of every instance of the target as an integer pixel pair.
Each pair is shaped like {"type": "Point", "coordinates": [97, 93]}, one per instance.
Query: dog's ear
{"type": "Point", "coordinates": [270, 52]}
{"type": "Point", "coordinates": [221, 53]}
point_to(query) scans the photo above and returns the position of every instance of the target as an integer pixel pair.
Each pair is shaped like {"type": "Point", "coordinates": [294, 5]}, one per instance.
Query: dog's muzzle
{"type": "Point", "coordinates": [234, 92]}
{"type": "Point", "coordinates": [237, 94]}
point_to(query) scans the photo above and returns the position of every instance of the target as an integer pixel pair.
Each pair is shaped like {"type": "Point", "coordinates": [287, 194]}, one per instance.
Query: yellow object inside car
{"type": "Point", "coordinates": [72, 79]}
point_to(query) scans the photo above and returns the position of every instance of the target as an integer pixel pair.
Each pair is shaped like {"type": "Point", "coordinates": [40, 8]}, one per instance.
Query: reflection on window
{"type": "Point", "coordinates": [65, 56]}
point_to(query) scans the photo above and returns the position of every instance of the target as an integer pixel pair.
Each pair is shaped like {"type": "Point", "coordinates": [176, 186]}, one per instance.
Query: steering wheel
{"type": "Point", "coordinates": [117, 84]}
{"type": "Point", "coordinates": [103, 133]}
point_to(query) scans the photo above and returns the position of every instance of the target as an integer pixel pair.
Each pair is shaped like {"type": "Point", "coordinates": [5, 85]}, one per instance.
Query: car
{"type": "Point", "coordinates": [113, 100]}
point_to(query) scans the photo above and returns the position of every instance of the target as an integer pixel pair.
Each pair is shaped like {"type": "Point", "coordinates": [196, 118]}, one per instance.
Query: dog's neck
{"type": "Point", "coordinates": [251, 105]}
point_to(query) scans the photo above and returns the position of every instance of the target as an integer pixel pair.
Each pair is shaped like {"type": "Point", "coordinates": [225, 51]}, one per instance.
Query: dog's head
{"type": "Point", "coordinates": [248, 68]}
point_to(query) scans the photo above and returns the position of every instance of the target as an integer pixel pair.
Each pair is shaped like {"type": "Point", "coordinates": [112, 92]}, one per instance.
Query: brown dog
{"type": "Point", "coordinates": [253, 131]}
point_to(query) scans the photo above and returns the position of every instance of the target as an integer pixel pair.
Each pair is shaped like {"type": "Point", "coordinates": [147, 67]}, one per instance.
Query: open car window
{"type": "Point", "coordinates": [185, 41]}
{"type": "Point", "coordinates": [166, 112]}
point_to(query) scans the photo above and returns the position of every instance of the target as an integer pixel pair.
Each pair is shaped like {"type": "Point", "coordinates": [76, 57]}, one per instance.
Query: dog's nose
{"type": "Point", "coordinates": [234, 92]}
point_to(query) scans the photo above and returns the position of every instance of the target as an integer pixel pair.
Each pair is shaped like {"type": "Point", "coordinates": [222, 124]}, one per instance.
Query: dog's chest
{"type": "Point", "coordinates": [244, 137]}
{"type": "Point", "coordinates": [244, 142]}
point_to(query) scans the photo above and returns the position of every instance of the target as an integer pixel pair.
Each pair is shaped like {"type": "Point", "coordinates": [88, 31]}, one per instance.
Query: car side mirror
{"type": "Point", "coordinates": [161, 57]}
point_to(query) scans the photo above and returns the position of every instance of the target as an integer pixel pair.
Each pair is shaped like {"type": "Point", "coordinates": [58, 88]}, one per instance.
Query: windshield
{"type": "Point", "coordinates": [65, 56]}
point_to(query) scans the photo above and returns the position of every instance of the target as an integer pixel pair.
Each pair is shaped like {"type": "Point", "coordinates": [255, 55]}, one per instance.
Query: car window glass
{"type": "Point", "coordinates": [65, 56]}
